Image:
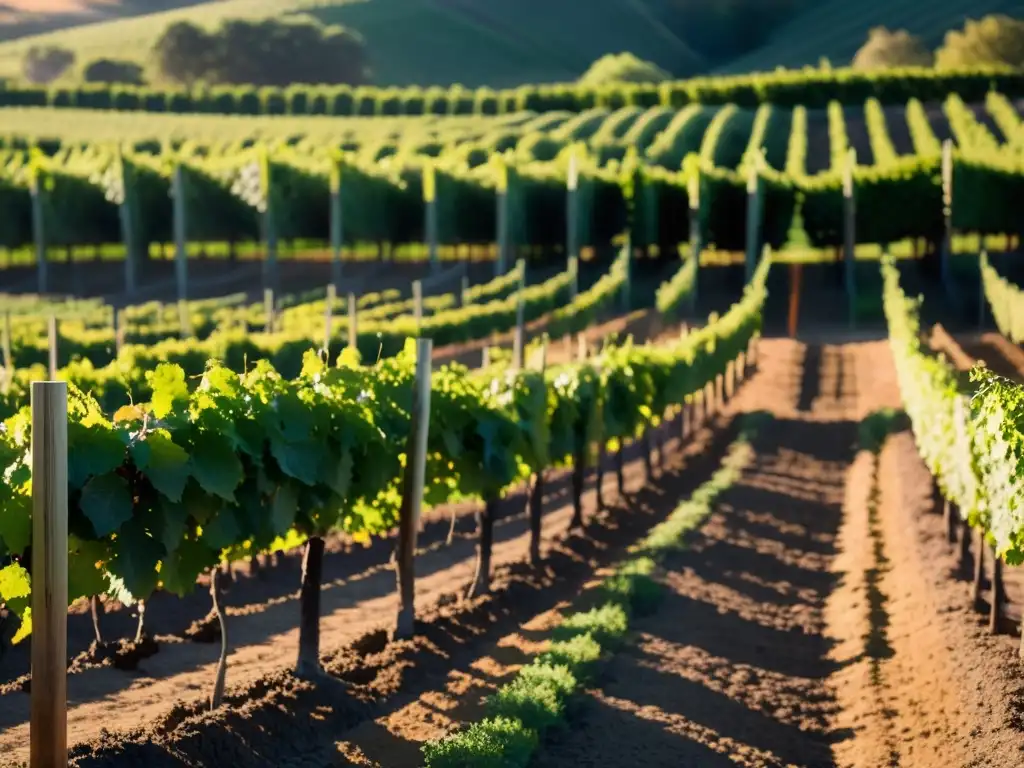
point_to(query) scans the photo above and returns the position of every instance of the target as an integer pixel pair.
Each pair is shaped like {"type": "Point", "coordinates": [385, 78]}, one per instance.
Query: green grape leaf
{"type": "Point", "coordinates": [223, 530]}
{"type": "Point", "coordinates": [283, 509]}
{"type": "Point", "coordinates": [15, 583]}
{"type": "Point", "coordinates": [136, 555]}
{"type": "Point", "coordinates": [340, 474]}
{"type": "Point", "coordinates": [170, 392]}
{"type": "Point", "coordinates": [85, 572]}
{"type": "Point", "coordinates": [299, 460]}
{"type": "Point", "coordinates": [92, 452]}
{"type": "Point", "coordinates": [168, 466]}
{"type": "Point", "coordinates": [107, 502]}
{"type": "Point", "coordinates": [16, 523]}
{"type": "Point", "coordinates": [180, 569]}
{"type": "Point", "coordinates": [215, 466]}
{"type": "Point", "coordinates": [173, 523]}
{"type": "Point", "coordinates": [24, 628]}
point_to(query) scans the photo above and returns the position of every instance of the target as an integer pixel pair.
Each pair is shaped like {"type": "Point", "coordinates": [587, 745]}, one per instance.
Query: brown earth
{"type": "Point", "coordinates": [815, 619]}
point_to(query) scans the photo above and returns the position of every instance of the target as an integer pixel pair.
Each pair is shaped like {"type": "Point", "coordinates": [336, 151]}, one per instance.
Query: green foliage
{"type": "Point", "coordinates": [622, 68]}
{"type": "Point", "coordinates": [994, 40]}
{"type": "Point", "coordinates": [263, 52]}
{"type": "Point", "coordinates": [887, 48]}
{"type": "Point", "coordinates": [113, 71]}
{"type": "Point", "coordinates": [490, 743]}
{"type": "Point", "coordinates": [43, 64]}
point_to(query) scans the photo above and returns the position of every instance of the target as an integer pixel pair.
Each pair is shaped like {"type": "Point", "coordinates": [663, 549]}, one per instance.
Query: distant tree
{"type": "Point", "coordinates": [43, 64]}
{"type": "Point", "coordinates": [265, 52]}
{"type": "Point", "coordinates": [996, 39]}
{"type": "Point", "coordinates": [622, 68]}
{"type": "Point", "coordinates": [183, 52]}
{"type": "Point", "coordinates": [892, 48]}
{"type": "Point", "coordinates": [113, 71]}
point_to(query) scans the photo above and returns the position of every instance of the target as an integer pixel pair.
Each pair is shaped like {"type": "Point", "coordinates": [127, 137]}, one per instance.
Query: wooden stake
{"type": "Point", "coordinates": [180, 227]}
{"type": "Point", "coordinates": [268, 309]}
{"type": "Point", "coordinates": [412, 495]}
{"type": "Point", "coordinates": [995, 608]}
{"type": "Point", "coordinates": [979, 568]}
{"type": "Point", "coordinates": [332, 296]}
{"type": "Point", "coordinates": [850, 235]}
{"type": "Point", "coordinates": [52, 333]}
{"type": "Point", "coordinates": [8, 360]}
{"type": "Point", "coordinates": [48, 727]}
{"type": "Point", "coordinates": [353, 322]}
{"type": "Point", "coordinates": [417, 300]}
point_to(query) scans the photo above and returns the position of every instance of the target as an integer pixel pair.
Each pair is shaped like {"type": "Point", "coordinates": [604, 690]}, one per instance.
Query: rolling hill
{"type": "Point", "coordinates": [421, 42]}
{"type": "Point", "coordinates": [836, 29]}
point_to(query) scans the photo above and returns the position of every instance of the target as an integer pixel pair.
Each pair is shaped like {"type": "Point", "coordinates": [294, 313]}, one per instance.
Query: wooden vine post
{"type": "Point", "coordinates": [269, 223]}
{"type": "Point", "coordinates": [332, 297]}
{"type": "Point", "coordinates": [572, 214]}
{"type": "Point", "coordinates": [417, 303]}
{"type": "Point", "coordinates": [118, 326]}
{"type": "Point", "coordinates": [54, 340]}
{"type": "Point", "coordinates": [48, 723]}
{"type": "Point", "coordinates": [755, 205]}
{"type": "Point", "coordinates": [982, 300]}
{"type": "Point", "coordinates": [337, 225]}
{"type": "Point", "coordinates": [537, 491]}
{"type": "Point", "coordinates": [626, 282]}
{"type": "Point", "coordinates": [180, 227]}
{"type": "Point", "coordinates": [997, 594]}
{"type": "Point", "coordinates": [39, 227]}
{"type": "Point", "coordinates": [8, 360]}
{"type": "Point", "coordinates": [850, 235]}
{"type": "Point", "coordinates": [464, 292]}
{"type": "Point", "coordinates": [696, 243]}
{"type": "Point", "coordinates": [125, 210]}
{"type": "Point", "coordinates": [947, 215]}
{"type": "Point", "coordinates": [430, 208]}
{"type": "Point", "coordinates": [501, 218]}
{"type": "Point", "coordinates": [268, 310]}
{"type": "Point", "coordinates": [353, 322]}
{"type": "Point", "coordinates": [412, 493]}
{"type": "Point", "coordinates": [518, 339]}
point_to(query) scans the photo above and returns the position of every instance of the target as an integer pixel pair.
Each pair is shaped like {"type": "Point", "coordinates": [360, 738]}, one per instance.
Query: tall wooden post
{"type": "Point", "coordinates": [574, 272]}
{"type": "Point", "coordinates": [464, 293]}
{"type": "Point", "coordinates": [501, 216]}
{"type": "Point", "coordinates": [412, 495]}
{"type": "Point", "coordinates": [353, 322]}
{"type": "Point", "coordinates": [48, 724]}
{"type": "Point", "coordinates": [269, 227]}
{"type": "Point", "coordinates": [754, 205]}
{"type": "Point", "coordinates": [180, 226]}
{"type": "Point", "coordinates": [124, 210]}
{"type": "Point", "coordinates": [696, 241]}
{"type": "Point", "coordinates": [850, 235]}
{"type": "Point", "coordinates": [430, 205]}
{"type": "Point", "coordinates": [39, 230]}
{"type": "Point", "coordinates": [8, 360]}
{"type": "Point", "coordinates": [268, 310]}
{"type": "Point", "coordinates": [337, 226]}
{"type": "Point", "coordinates": [54, 341]}
{"type": "Point", "coordinates": [332, 297]}
{"type": "Point", "coordinates": [947, 215]}
{"type": "Point", "coordinates": [417, 303]}
{"type": "Point", "coordinates": [626, 283]}
{"type": "Point", "coordinates": [572, 244]}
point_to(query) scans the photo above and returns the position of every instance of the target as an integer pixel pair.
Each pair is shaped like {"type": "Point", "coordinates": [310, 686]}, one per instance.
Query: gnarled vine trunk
{"type": "Point", "coordinates": [308, 663]}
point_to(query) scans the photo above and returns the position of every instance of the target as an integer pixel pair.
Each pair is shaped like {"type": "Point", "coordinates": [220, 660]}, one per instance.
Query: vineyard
{"type": "Point", "coordinates": [620, 428]}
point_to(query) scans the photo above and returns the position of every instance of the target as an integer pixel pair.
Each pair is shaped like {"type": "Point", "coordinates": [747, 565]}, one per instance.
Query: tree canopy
{"type": "Point", "coordinates": [265, 52]}
{"type": "Point", "coordinates": [995, 39]}
{"type": "Point", "coordinates": [44, 64]}
{"type": "Point", "coordinates": [892, 48]}
{"type": "Point", "coordinates": [113, 71]}
{"type": "Point", "coordinates": [622, 68]}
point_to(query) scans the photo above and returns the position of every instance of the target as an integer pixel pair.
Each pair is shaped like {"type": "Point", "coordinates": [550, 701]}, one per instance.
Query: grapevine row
{"type": "Point", "coordinates": [169, 488]}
